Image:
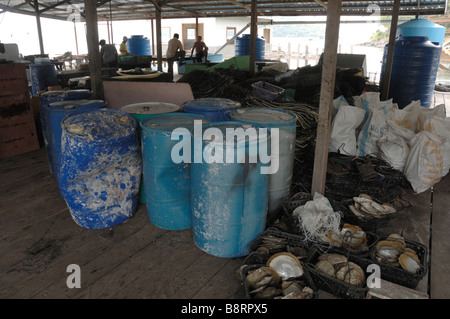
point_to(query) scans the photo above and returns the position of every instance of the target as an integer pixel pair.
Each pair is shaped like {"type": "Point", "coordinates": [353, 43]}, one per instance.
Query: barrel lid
{"type": "Point", "coordinates": [151, 108]}
{"type": "Point", "coordinates": [63, 93]}
{"type": "Point", "coordinates": [100, 126]}
{"type": "Point", "coordinates": [170, 122]}
{"type": "Point", "coordinates": [268, 116]}
{"type": "Point", "coordinates": [77, 104]}
{"type": "Point", "coordinates": [212, 104]}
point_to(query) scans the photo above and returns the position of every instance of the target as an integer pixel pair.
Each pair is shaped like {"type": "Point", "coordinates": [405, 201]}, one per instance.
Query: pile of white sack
{"type": "Point", "coordinates": [414, 140]}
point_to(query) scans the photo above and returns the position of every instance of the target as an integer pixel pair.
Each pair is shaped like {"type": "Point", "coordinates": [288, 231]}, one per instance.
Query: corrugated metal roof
{"type": "Point", "coordinates": [145, 9]}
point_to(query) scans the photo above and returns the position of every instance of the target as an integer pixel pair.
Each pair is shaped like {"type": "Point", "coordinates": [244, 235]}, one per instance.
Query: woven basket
{"type": "Point", "coordinates": [366, 223]}
{"type": "Point", "coordinates": [306, 277]}
{"type": "Point", "coordinates": [332, 285]}
{"type": "Point", "coordinates": [397, 274]}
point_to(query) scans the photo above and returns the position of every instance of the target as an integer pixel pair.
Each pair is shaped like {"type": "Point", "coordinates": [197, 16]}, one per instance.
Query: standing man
{"type": "Point", "coordinates": [123, 47]}
{"type": "Point", "coordinates": [108, 54]}
{"type": "Point", "coordinates": [175, 52]}
{"type": "Point", "coordinates": [201, 50]}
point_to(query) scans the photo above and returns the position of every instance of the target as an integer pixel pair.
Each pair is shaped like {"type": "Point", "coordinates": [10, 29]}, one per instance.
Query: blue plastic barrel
{"type": "Point", "coordinates": [168, 181]}
{"type": "Point", "coordinates": [242, 47]}
{"type": "Point", "coordinates": [414, 70]}
{"type": "Point", "coordinates": [138, 45]}
{"type": "Point", "coordinates": [42, 76]}
{"type": "Point", "coordinates": [101, 167]}
{"type": "Point", "coordinates": [216, 109]}
{"type": "Point", "coordinates": [57, 112]}
{"type": "Point", "coordinates": [229, 197]}
{"type": "Point", "coordinates": [143, 111]}
{"type": "Point", "coordinates": [45, 100]}
{"type": "Point", "coordinates": [286, 122]}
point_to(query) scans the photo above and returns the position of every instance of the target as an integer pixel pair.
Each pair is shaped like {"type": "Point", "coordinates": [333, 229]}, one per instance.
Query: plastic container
{"type": "Point", "coordinates": [266, 91]}
{"type": "Point", "coordinates": [138, 45]}
{"type": "Point", "coordinates": [57, 112]}
{"type": "Point", "coordinates": [42, 76]}
{"type": "Point", "coordinates": [286, 122]}
{"type": "Point", "coordinates": [101, 167]}
{"type": "Point", "coordinates": [414, 70]}
{"type": "Point", "coordinates": [45, 100]}
{"type": "Point", "coordinates": [229, 198]}
{"type": "Point", "coordinates": [143, 111]}
{"type": "Point", "coordinates": [242, 47]}
{"type": "Point", "coordinates": [216, 109]}
{"type": "Point", "coordinates": [167, 182]}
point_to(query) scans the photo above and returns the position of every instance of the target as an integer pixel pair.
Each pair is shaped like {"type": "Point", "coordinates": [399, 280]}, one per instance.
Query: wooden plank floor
{"type": "Point", "coordinates": [38, 240]}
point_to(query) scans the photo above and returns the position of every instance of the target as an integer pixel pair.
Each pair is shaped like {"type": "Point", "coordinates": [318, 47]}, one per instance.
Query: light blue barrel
{"type": "Point", "coordinates": [422, 28]}
{"type": "Point", "coordinates": [101, 167]}
{"type": "Point", "coordinates": [45, 100]}
{"type": "Point", "coordinates": [216, 109]}
{"type": "Point", "coordinates": [283, 164]}
{"type": "Point", "coordinates": [139, 45]}
{"type": "Point", "coordinates": [143, 111]}
{"type": "Point", "coordinates": [229, 190]}
{"type": "Point", "coordinates": [42, 76]}
{"type": "Point", "coordinates": [167, 176]}
{"type": "Point", "coordinates": [56, 113]}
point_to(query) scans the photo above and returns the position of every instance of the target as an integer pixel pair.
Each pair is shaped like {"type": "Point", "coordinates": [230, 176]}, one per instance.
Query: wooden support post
{"type": "Point", "coordinates": [253, 32]}
{"type": "Point", "coordinates": [153, 38]}
{"type": "Point", "coordinates": [95, 63]}
{"type": "Point", "coordinates": [326, 96]}
{"type": "Point", "coordinates": [390, 53]}
{"type": "Point", "coordinates": [158, 38]}
{"type": "Point", "coordinates": [39, 28]}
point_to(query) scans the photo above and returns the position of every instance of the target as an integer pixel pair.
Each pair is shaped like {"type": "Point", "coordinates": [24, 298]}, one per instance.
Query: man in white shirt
{"type": "Point", "coordinates": [175, 52]}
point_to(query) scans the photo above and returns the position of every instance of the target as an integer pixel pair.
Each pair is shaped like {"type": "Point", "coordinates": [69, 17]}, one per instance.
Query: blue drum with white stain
{"type": "Point", "coordinates": [143, 111]}
{"type": "Point", "coordinates": [45, 100]}
{"type": "Point", "coordinates": [101, 167]}
{"type": "Point", "coordinates": [42, 76]}
{"type": "Point", "coordinates": [286, 122]}
{"type": "Point", "coordinates": [216, 109]}
{"type": "Point", "coordinates": [168, 181]}
{"type": "Point", "coordinates": [229, 196]}
{"type": "Point", "coordinates": [56, 113]}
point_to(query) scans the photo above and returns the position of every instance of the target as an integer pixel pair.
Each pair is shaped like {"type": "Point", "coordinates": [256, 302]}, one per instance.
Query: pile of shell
{"type": "Point", "coordinates": [393, 251]}
{"type": "Point", "coordinates": [350, 236]}
{"type": "Point", "coordinates": [365, 206]}
{"type": "Point", "coordinates": [338, 266]}
{"type": "Point", "coordinates": [281, 278]}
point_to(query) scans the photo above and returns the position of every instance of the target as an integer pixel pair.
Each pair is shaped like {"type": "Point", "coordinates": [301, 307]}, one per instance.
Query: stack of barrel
{"type": "Point", "coordinates": [190, 182]}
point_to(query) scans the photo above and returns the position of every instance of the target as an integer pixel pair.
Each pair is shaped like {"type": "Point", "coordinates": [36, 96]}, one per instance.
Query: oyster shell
{"type": "Point", "coordinates": [409, 262]}
{"type": "Point", "coordinates": [352, 274]}
{"type": "Point", "coordinates": [263, 276]}
{"type": "Point", "coordinates": [389, 249]}
{"type": "Point", "coordinates": [267, 293]}
{"type": "Point", "coordinates": [326, 267]}
{"type": "Point", "coordinates": [286, 265]}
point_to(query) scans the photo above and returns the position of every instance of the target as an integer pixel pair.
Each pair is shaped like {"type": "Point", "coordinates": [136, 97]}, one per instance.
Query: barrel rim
{"type": "Point", "coordinates": [269, 124]}
{"type": "Point", "coordinates": [153, 118]}
{"type": "Point", "coordinates": [193, 107]}
{"type": "Point", "coordinates": [176, 108]}
{"type": "Point", "coordinates": [95, 104]}
{"type": "Point", "coordinates": [96, 142]}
